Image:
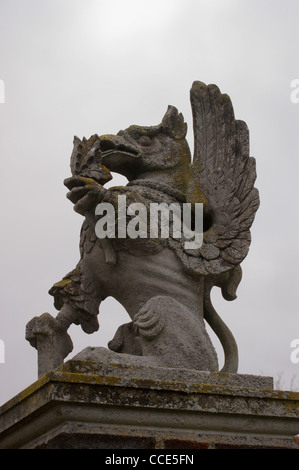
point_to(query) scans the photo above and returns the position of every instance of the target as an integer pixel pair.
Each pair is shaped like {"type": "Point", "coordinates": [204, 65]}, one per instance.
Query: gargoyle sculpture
{"type": "Point", "coordinates": [164, 286]}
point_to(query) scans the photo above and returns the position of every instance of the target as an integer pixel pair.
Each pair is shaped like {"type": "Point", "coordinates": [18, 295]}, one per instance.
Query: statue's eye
{"type": "Point", "coordinates": [144, 140]}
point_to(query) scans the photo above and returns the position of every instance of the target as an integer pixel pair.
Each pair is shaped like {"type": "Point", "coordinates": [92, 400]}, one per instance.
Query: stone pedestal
{"type": "Point", "coordinates": [85, 405]}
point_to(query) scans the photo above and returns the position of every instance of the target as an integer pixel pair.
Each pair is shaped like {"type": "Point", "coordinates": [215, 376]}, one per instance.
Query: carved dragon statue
{"type": "Point", "coordinates": [164, 287]}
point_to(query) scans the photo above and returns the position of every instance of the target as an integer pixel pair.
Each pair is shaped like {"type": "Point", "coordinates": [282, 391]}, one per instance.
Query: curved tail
{"type": "Point", "coordinates": [228, 282]}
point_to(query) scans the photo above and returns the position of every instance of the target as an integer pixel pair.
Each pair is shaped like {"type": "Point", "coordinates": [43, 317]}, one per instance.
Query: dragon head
{"type": "Point", "coordinates": [159, 152]}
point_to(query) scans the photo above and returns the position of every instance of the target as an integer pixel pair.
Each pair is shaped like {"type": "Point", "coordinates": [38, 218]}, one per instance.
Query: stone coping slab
{"type": "Point", "coordinates": [121, 365]}
{"type": "Point", "coordinates": [77, 400]}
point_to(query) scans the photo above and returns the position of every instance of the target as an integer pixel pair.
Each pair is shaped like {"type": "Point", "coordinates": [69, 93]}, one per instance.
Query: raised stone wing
{"type": "Point", "coordinates": [222, 178]}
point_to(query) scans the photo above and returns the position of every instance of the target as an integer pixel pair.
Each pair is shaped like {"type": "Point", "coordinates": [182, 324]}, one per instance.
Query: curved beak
{"type": "Point", "coordinates": [119, 155]}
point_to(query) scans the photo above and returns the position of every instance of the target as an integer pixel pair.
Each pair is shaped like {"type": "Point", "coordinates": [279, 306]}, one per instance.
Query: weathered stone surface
{"type": "Point", "coordinates": [67, 409]}
{"type": "Point", "coordinates": [158, 385]}
{"type": "Point", "coordinates": [52, 342]}
{"type": "Point", "coordinates": [163, 283]}
{"type": "Point", "coordinates": [102, 362]}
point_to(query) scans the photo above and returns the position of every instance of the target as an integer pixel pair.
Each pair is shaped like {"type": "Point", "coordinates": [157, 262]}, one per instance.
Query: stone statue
{"type": "Point", "coordinates": [164, 285]}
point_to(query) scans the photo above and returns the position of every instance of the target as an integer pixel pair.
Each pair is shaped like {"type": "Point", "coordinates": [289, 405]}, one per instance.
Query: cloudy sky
{"type": "Point", "coordinates": [79, 67]}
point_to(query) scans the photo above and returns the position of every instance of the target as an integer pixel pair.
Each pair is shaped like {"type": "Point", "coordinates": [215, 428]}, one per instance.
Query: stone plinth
{"type": "Point", "coordinates": [114, 406]}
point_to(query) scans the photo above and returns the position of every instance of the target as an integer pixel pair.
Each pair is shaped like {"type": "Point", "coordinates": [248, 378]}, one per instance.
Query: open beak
{"type": "Point", "coordinates": [119, 156]}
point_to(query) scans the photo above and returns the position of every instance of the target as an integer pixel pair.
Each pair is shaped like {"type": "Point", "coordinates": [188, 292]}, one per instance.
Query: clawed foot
{"type": "Point", "coordinates": [85, 193]}
{"type": "Point", "coordinates": [150, 320]}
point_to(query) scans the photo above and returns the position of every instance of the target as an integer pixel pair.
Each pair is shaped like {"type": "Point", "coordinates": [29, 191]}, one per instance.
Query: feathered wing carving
{"type": "Point", "coordinates": [222, 178]}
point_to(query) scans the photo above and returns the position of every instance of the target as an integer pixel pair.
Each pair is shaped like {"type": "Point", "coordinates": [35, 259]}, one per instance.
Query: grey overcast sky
{"type": "Point", "coordinates": [79, 67]}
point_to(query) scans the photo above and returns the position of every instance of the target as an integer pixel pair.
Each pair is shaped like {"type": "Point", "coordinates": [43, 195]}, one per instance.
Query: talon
{"type": "Point", "coordinates": [74, 181]}
{"type": "Point", "coordinates": [148, 322]}
{"type": "Point", "coordinates": [85, 193]}
{"type": "Point", "coordinates": [86, 203]}
{"type": "Point", "coordinates": [77, 193]}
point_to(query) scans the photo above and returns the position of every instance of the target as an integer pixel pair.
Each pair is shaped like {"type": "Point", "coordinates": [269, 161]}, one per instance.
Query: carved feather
{"type": "Point", "coordinates": [222, 178]}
